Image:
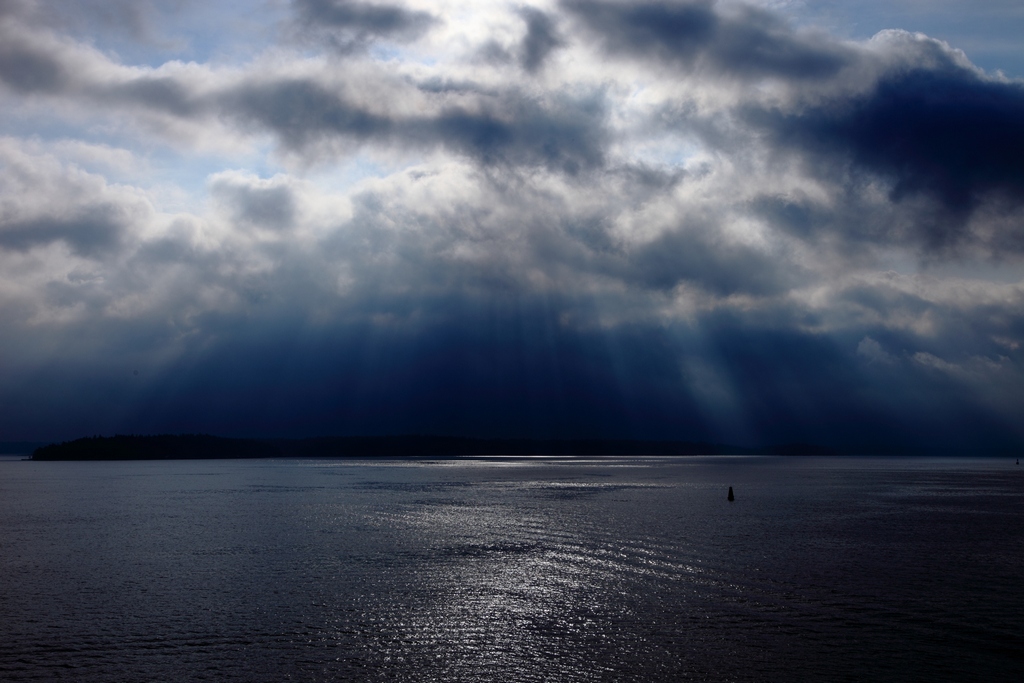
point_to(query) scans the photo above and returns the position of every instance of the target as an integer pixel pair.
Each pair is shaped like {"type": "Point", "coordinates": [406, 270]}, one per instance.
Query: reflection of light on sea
{"type": "Point", "coordinates": [520, 592]}
{"type": "Point", "coordinates": [266, 570]}
{"type": "Point", "coordinates": [493, 572]}
{"type": "Point", "coordinates": [500, 605]}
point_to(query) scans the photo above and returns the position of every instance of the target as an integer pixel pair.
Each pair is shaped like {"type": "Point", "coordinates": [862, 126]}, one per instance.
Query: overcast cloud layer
{"type": "Point", "coordinates": [680, 219]}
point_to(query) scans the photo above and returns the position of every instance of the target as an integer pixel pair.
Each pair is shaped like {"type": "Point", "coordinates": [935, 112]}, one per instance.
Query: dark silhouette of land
{"type": "Point", "coordinates": [160, 447]}
{"type": "Point", "coordinates": [204, 446]}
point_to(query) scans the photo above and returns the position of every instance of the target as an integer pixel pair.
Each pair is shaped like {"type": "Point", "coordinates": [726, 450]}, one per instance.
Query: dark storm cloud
{"type": "Point", "coordinates": [43, 201]}
{"type": "Point", "coordinates": [88, 230]}
{"type": "Point", "coordinates": [542, 38]}
{"type": "Point", "coordinates": [936, 322]}
{"type": "Point", "coordinates": [348, 25]}
{"type": "Point", "coordinates": [302, 112]}
{"type": "Point", "coordinates": [31, 67]}
{"type": "Point", "coordinates": [427, 341]}
{"type": "Point", "coordinates": [257, 204]}
{"type": "Point", "coordinates": [255, 377]}
{"type": "Point", "coordinates": [798, 216]}
{"type": "Point", "coordinates": [746, 43]}
{"type": "Point", "coordinates": [850, 220]}
{"type": "Point", "coordinates": [565, 135]}
{"type": "Point", "coordinates": [44, 67]}
{"type": "Point", "coordinates": [34, 64]}
{"type": "Point", "coordinates": [698, 258]}
{"type": "Point", "coordinates": [26, 67]}
{"type": "Point", "coordinates": [507, 129]}
{"type": "Point", "coordinates": [452, 375]}
{"type": "Point", "coordinates": [509, 366]}
{"type": "Point", "coordinates": [950, 135]}
{"type": "Point", "coordinates": [795, 382]}
{"type": "Point", "coordinates": [132, 18]}
{"type": "Point", "coordinates": [683, 245]}
{"type": "Point", "coordinates": [158, 93]}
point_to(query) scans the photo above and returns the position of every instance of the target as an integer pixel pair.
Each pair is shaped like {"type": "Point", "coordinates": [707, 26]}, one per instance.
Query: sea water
{"type": "Point", "coordinates": [538, 569]}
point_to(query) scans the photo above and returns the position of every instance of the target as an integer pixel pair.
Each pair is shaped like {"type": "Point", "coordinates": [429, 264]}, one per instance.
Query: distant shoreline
{"type": "Point", "coordinates": [204, 446]}
{"type": "Point", "coordinates": [208, 447]}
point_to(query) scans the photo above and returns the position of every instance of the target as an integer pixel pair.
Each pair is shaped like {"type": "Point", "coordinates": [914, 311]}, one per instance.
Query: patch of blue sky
{"type": "Point", "coordinates": [390, 52]}
{"type": "Point", "coordinates": [190, 175]}
{"type": "Point", "coordinates": [387, 53]}
{"type": "Point", "coordinates": [345, 176]}
{"type": "Point", "coordinates": [142, 164]}
{"type": "Point", "coordinates": [41, 123]}
{"type": "Point", "coordinates": [226, 32]}
{"type": "Point", "coordinates": [988, 31]}
{"type": "Point", "coordinates": [669, 152]}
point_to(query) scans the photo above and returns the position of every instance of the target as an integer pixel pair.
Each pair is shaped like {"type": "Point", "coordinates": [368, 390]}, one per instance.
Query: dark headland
{"type": "Point", "coordinates": [204, 446]}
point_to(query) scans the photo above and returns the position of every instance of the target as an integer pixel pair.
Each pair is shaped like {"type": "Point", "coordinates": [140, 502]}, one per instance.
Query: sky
{"type": "Point", "coordinates": [742, 222]}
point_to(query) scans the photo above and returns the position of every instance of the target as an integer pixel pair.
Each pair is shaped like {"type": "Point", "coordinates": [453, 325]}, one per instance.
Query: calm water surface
{"type": "Point", "coordinates": [617, 569]}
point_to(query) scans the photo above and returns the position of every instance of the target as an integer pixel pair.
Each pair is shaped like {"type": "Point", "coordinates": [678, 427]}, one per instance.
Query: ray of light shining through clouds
{"type": "Point", "coordinates": [738, 222]}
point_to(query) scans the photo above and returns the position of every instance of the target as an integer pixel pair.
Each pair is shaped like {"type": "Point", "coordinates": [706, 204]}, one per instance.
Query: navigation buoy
{"type": "Point", "coordinates": [731, 497]}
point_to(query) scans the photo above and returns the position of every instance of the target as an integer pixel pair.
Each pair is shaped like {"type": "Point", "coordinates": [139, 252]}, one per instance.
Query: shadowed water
{"type": "Point", "coordinates": [513, 569]}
